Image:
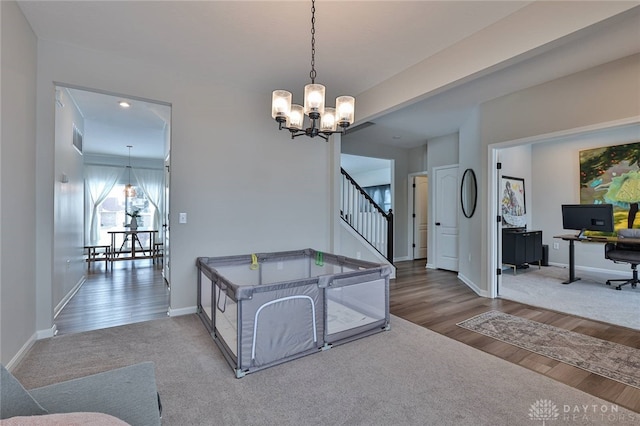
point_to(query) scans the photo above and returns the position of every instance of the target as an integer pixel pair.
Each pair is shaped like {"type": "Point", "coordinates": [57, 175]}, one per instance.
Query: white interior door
{"type": "Point", "coordinates": [446, 217]}
{"type": "Point", "coordinates": [420, 216]}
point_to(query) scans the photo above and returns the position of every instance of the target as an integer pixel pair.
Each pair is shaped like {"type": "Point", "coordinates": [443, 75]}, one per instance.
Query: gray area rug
{"type": "Point", "coordinates": [406, 376]}
{"type": "Point", "coordinates": [608, 359]}
{"type": "Point", "coordinates": [588, 298]}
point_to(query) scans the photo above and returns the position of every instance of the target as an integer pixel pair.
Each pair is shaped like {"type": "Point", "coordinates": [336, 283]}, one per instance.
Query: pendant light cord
{"type": "Point", "coordinates": [129, 166]}
{"type": "Point", "coordinates": [312, 74]}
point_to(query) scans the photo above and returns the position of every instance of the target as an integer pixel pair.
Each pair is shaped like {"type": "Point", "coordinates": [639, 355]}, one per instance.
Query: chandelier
{"type": "Point", "coordinates": [323, 121]}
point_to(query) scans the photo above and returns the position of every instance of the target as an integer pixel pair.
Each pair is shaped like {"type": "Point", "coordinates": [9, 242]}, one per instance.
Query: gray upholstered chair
{"type": "Point", "coordinates": [127, 393]}
{"type": "Point", "coordinates": [621, 252]}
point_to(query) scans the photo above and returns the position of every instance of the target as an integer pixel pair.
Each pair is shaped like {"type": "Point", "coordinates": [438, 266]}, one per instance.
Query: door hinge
{"type": "Point", "coordinates": [499, 218]}
{"type": "Point", "coordinates": [499, 166]}
{"type": "Point", "coordinates": [414, 215]}
{"type": "Point", "coordinates": [414, 246]}
{"type": "Point", "coordinates": [498, 271]}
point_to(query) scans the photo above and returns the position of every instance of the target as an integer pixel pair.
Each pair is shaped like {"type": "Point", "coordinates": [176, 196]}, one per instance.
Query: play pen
{"type": "Point", "coordinates": [268, 308]}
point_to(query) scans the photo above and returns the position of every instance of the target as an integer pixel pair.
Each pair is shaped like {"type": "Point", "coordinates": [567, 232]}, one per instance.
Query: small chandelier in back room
{"type": "Point", "coordinates": [323, 120]}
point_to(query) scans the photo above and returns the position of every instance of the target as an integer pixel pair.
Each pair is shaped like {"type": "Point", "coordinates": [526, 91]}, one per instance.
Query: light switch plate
{"type": "Point", "coordinates": [183, 218]}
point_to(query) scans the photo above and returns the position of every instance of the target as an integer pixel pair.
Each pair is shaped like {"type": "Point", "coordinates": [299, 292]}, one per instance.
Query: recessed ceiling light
{"type": "Point", "coordinates": [124, 104]}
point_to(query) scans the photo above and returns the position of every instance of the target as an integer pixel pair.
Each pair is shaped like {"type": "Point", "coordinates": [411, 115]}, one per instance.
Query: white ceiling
{"type": "Point", "coordinates": [265, 45]}
{"type": "Point", "coordinates": [443, 113]}
{"type": "Point", "coordinates": [355, 164]}
{"type": "Point", "coordinates": [109, 128]}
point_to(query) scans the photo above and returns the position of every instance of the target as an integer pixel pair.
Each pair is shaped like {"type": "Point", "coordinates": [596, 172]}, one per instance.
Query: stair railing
{"type": "Point", "coordinates": [366, 217]}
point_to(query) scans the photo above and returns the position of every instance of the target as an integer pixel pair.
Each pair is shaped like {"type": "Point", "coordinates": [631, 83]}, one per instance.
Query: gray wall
{"type": "Point", "coordinates": [241, 189]}
{"type": "Point", "coordinates": [516, 162]}
{"type": "Point", "coordinates": [555, 166]}
{"type": "Point", "coordinates": [17, 183]}
{"type": "Point", "coordinates": [418, 159]}
{"type": "Point", "coordinates": [602, 94]}
{"type": "Point", "coordinates": [551, 172]}
{"type": "Point", "coordinates": [225, 178]}
{"type": "Point", "coordinates": [469, 253]}
{"type": "Point", "coordinates": [68, 207]}
{"type": "Point", "coordinates": [442, 151]}
{"type": "Point", "coordinates": [400, 174]}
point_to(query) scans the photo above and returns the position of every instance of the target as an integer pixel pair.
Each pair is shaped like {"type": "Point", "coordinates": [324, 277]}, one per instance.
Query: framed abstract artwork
{"type": "Point", "coordinates": [611, 175]}
{"type": "Point", "coordinates": [512, 202]}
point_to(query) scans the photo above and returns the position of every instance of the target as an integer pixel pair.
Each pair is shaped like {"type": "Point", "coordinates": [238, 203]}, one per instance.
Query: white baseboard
{"type": "Point", "coordinates": [401, 259]}
{"type": "Point", "coordinates": [430, 266]}
{"type": "Point", "coordinates": [612, 272]}
{"type": "Point", "coordinates": [45, 334]}
{"type": "Point", "coordinates": [67, 298]}
{"type": "Point", "coordinates": [473, 286]}
{"type": "Point", "coordinates": [21, 353]}
{"type": "Point", "coordinates": [182, 311]}
{"type": "Point", "coordinates": [392, 276]}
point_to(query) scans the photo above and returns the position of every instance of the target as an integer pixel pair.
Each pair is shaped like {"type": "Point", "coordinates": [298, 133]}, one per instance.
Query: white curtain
{"type": "Point", "coordinates": [99, 180]}
{"type": "Point", "coordinates": [152, 183]}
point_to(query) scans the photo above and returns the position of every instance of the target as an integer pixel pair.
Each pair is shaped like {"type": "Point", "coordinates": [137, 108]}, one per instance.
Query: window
{"type": "Point", "coordinates": [112, 216]}
{"type": "Point", "coordinates": [381, 194]}
{"type": "Point", "coordinates": [77, 138]}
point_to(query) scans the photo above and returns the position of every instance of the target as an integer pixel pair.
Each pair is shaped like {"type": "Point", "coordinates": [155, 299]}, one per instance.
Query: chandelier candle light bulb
{"type": "Point", "coordinates": [345, 106]}
{"type": "Point", "coordinates": [295, 120]}
{"type": "Point", "coordinates": [323, 120]}
{"type": "Point", "coordinates": [328, 120]}
{"type": "Point", "coordinates": [281, 104]}
{"type": "Point", "coordinates": [314, 100]}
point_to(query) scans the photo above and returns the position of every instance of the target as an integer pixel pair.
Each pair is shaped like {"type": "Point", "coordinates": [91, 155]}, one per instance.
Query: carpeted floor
{"type": "Point", "coordinates": [406, 376]}
{"type": "Point", "coordinates": [612, 360]}
{"type": "Point", "coordinates": [587, 298]}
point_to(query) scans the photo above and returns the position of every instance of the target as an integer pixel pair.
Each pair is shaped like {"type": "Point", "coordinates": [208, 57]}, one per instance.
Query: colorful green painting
{"type": "Point", "coordinates": [612, 175]}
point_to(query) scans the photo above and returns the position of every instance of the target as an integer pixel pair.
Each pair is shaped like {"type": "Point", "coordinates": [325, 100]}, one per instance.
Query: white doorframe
{"type": "Point", "coordinates": [166, 250]}
{"type": "Point", "coordinates": [494, 254]}
{"type": "Point", "coordinates": [410, 221]}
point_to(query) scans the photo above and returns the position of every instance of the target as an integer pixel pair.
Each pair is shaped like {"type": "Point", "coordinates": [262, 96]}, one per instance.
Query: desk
{"type": "Point", "coordinates": [597, 239]}
{"type": "Point", "coordinates": [132, 237]}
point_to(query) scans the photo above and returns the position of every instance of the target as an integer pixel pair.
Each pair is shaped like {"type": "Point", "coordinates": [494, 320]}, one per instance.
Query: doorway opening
{"type": "Point", "coordinates": [418, 209]}
{"type": "Point", "coordinates": [111, 155]}
{"type": "Point", "coordinates": [534, 158]}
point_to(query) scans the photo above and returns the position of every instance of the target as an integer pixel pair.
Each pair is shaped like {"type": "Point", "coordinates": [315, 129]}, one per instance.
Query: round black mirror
{"type": "Point", "coordinates": [468, 193]}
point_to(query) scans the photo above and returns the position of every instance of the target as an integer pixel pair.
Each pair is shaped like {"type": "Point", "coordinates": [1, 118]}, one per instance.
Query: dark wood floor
{"type": "Point", "coordinates": [134, 291]}
{"type": "Point", "coordinates": [434, 299]}
{"type": "Point", "coordinates": [437, 300]}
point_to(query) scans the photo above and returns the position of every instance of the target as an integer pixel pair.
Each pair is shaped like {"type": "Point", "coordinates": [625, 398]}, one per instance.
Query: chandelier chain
{"type": "Point", "coordinates": [312, 74]}
{"type": "Point", "coordinates": [323, 121]}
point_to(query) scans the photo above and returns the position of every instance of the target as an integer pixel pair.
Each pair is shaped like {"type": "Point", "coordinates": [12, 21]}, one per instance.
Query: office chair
{"type": "Point", "coordinates": [622, 252]}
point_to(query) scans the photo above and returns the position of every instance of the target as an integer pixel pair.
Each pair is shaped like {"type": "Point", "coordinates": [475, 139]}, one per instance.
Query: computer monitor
{"type": "Point", "coordinates": [587, 217]}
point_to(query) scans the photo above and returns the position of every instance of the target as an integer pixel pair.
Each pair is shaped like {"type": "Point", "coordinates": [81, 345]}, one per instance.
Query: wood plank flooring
{"type": "Point", "coordinates": [134, 291]}
{"type": "Point", "coordinates": [437, 300]}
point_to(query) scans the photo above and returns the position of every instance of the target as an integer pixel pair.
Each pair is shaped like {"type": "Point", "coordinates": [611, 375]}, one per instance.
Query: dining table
{"type": "Point", "coordinates": [130, 244]}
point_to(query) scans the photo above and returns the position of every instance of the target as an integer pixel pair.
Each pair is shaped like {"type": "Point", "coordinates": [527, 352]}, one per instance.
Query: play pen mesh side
{"type": "Point", "coordinates": [267, 308]}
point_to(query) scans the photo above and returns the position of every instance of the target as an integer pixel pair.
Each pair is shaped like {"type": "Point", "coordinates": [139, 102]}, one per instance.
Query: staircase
{"type": "Point", "coordinates": [365, 217]}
